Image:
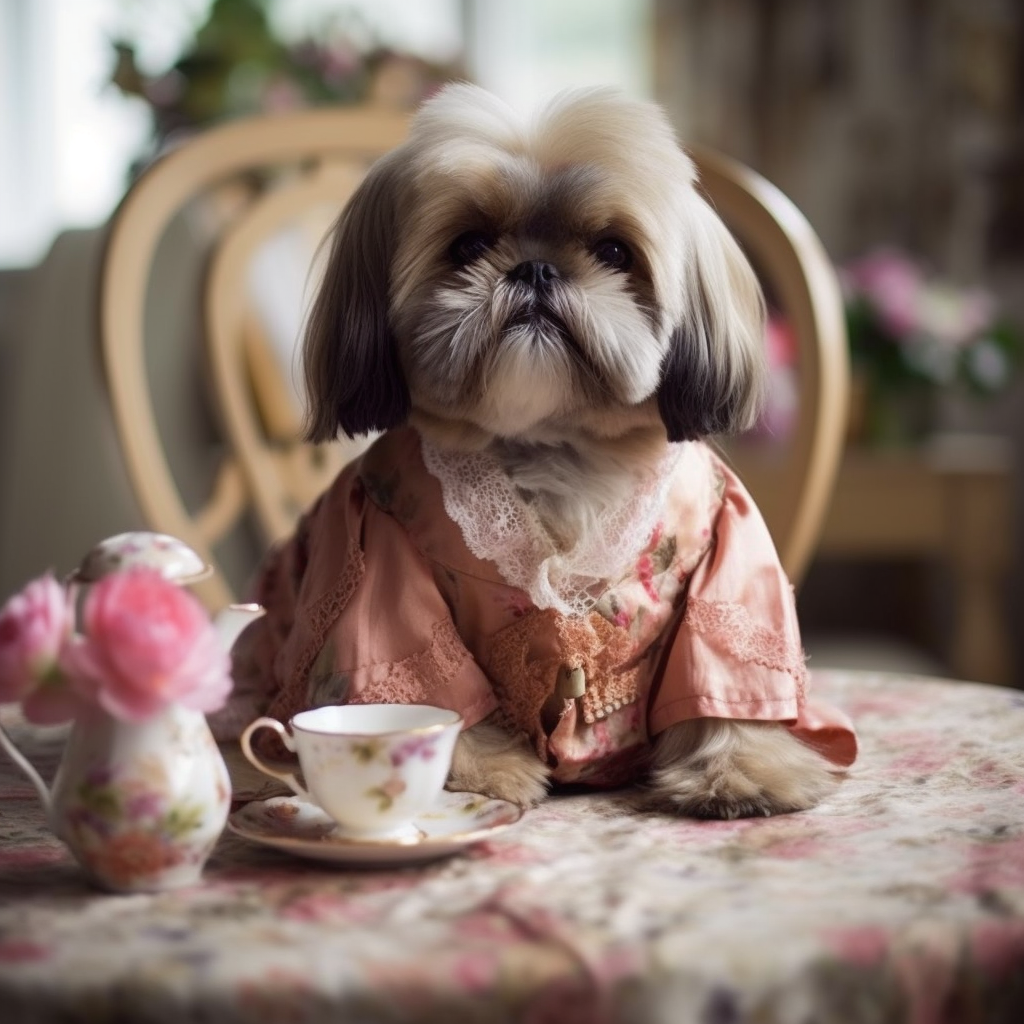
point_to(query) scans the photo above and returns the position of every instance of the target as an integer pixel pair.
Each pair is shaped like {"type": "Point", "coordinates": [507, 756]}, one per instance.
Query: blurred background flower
{"type": "Point", "coordinates": [240, 63]}
{"type": "Point", "coordinates": [782, 404]}
{"type": "Point", "coordinates": [912, 335]}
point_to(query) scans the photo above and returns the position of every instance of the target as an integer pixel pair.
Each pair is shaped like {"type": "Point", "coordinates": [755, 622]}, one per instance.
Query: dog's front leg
{"type": "Point", "coordinates": [488, 760]}
{"type": "Point", "coordinates": [717, 768]}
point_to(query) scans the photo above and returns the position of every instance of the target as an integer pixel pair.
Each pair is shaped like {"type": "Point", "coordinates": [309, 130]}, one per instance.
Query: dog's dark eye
{"type": "Point", "coordinates": [614, 253]}
{"type": "Point", "coordinates": [469, 247]}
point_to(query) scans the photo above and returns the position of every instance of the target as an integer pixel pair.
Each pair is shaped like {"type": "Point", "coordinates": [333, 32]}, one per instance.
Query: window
{"type": "Point", "coordinates": [68, 137]}
{"type": "Point", "coordinates": [528, 50]}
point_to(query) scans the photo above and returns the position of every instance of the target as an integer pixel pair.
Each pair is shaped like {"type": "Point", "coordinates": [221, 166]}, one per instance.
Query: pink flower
{"type": "Point", "coordinates": [52, 701]}
{"type": "Point", "coordinates": [955, 317]}
{"type": "Point", "coordinates": [148, 643]}
{"type": "Point", "coordinates": [893, 284]}
{"type": "Point", "coordinates": [781, 343]}
{"type": "Point", "coordinates": [645, 573]}
{"type": "Point", "coordinates": [35, 625]}
{"type": "Point", "coordinates": [423, 747]}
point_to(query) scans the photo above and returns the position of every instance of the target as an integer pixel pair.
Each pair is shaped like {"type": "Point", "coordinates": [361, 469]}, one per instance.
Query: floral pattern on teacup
{"type": "Point", "coordinates": [423, 747]}
{"type": "Point", "coordinates": [386, 793]}
{"type": "Point", "coordinates": [395, 755]}
{"type": "Point", "coordinates": [366, 751]}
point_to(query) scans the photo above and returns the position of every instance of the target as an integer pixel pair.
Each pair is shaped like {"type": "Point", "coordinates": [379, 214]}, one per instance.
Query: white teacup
{"type": "Point", "coordinates": [371, 767]}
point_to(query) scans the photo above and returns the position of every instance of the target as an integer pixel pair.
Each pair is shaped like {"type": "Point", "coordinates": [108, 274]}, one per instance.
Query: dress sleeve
{"type": "Point", "coordinates": [354, 616]}
{"type": "Point", "coordinates": [737, 652]}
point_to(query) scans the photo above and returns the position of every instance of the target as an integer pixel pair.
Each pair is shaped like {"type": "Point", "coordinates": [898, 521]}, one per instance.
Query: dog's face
{"type": "Point", "coordinates": [500, 279]}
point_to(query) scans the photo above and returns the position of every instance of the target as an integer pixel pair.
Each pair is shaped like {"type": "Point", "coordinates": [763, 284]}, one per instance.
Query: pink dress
{"type": "Point", "coordinates": [378, 597]}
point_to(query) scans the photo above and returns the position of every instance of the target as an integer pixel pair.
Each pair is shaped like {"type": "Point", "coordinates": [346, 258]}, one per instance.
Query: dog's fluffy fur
{"type": "Point", "coordinates": [557, 291]}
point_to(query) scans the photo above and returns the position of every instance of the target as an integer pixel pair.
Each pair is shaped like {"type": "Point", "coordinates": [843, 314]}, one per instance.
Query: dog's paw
{"type": "Point", "coordinates": [487, 760]}
{"type": "Point", "coordinates": [714, 768]}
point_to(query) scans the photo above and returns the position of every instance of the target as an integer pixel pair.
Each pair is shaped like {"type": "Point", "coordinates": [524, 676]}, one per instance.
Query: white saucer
{"type": "Point", "coordinates": [457, 820]}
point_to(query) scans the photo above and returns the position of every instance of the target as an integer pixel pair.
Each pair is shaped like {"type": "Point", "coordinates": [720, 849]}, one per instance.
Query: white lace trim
{"type": "Point", "coordinates": [499, 526]}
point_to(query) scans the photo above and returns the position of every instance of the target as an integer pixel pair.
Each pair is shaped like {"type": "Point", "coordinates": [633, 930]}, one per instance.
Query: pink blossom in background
{"type": "Point", "coordinates": [892, 284]}
{"type": "Point", "coordinates": [781, 342]}
{"type": "Point", "coordinates": [954, 317]}
{"type": "Point", "coordinates": [148, 644]}
{"type": "Point", "coordinates": [34, 625]}
{"type": "Point", "coordinates": [779, 417]}
{"type": "Point", "coordinates": [281, 94]}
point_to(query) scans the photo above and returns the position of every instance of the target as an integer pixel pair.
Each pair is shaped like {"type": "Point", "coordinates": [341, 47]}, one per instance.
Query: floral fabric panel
{"type": "Point", "coordinates": [900, 898]}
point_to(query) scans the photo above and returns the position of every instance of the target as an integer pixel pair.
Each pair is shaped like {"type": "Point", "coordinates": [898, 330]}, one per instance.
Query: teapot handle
{"type": "Point", "coordinates": [26, 766]}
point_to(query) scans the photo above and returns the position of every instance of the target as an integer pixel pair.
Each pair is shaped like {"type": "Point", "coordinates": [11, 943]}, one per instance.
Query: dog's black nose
{"type": "Point", "coordinates": [536, 273]}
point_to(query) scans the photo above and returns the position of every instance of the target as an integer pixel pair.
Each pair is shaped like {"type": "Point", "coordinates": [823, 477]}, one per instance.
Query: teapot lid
{"type": "Point", "coordinates": [172, 558]}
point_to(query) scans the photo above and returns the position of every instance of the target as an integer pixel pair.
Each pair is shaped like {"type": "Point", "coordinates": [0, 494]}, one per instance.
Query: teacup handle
{"type": "Point", "coordinates": [288, 778]}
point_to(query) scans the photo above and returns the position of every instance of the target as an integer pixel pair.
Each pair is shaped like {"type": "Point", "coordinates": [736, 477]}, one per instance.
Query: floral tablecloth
{"type": "Point", "coordinates": [900, 899]}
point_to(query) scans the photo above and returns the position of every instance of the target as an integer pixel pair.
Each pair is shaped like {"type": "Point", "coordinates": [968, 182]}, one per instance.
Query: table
{"type": "Point", "coordinates": [948, 499]}
{"type": "Point", "coordinates": [900, 898]}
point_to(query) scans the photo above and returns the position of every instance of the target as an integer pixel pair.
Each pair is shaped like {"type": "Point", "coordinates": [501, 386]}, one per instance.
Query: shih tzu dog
{"type": "Point", "coordinates": [544, 320]}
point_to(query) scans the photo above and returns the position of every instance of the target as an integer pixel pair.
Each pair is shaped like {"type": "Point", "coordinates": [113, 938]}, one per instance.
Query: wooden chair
{"type": "Point", "coordinates": [242, 181]}
{"type": "Point", "coordinates": [246, 181]}
{"type": "Point", "coordinates": [792, 482]}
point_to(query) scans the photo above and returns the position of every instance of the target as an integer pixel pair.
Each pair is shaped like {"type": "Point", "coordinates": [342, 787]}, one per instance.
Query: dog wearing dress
{"type": "Point", "coordinates": [545, 321]}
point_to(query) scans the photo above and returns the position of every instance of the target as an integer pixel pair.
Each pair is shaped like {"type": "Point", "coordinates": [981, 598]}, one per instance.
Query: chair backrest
{"type": "Point", "coordinates": [239, 183]}
{"type": "Point", "coordinates": [792, 481]}
{"type": "Point", "coordinates": [247, 181]}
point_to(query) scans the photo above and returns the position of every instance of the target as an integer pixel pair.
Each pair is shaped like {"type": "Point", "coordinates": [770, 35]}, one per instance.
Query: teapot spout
{"type": "Point", "coordinates": [230, 621]}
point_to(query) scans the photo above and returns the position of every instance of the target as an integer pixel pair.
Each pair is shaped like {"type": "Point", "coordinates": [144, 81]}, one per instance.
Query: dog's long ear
{"type": "Point", "coordinates": [354, 382]}
{"type": "Point", "coordinates": [714, 375]}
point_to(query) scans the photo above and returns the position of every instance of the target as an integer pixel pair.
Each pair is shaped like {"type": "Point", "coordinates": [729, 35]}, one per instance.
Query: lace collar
{"type": "Point", "coordinates": [498, 525]}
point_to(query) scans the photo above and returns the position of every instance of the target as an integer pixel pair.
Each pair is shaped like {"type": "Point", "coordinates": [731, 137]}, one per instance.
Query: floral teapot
{"type": "Point", "coordinates": [142, 792]}
{"type": "Point", "coordinates": [175, 561]}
